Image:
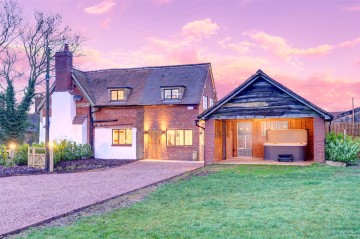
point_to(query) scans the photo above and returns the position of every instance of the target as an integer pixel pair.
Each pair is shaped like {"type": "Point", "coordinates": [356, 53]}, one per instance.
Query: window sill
{"type": "Point", "coordinates": [179, 146]}
{"type": "Point", "coordinates": [126, 145]}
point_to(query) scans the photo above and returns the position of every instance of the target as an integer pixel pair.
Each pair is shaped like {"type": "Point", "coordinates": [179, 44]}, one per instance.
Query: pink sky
{"type": "Point", "coordinates": [310, 46]}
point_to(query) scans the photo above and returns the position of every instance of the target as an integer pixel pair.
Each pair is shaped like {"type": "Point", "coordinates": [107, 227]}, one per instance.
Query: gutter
{"type": "Point", "coordinates": [197, 124]}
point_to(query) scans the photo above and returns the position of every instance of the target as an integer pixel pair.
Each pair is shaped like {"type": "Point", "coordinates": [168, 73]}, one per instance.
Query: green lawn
{"type": "Point", "coordinates": [246, 201]}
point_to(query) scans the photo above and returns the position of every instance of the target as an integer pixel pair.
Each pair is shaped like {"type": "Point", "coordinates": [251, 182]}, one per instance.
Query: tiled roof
{"type": "Point", "coordinates": [145, 83]}
{"type": "Point", "coordinates": [249, 81]}
{"type": "Point", "coordinates": [345, 113]}
{"type": "Point", "coordinates": [79, 119]}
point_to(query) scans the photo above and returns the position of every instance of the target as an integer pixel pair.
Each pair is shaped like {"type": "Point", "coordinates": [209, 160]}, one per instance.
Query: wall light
{"type": "Point", "coordinates": [146, 132]}
{"type": "Point", "coordinates": [51, 144]}
{"type": "Point", "coordinates": [12, 146]}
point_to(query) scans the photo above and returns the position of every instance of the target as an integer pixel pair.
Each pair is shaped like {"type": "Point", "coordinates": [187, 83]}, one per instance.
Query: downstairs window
{"type": "Point", "coordinates": [122, 137]}
{"type": "Point", "coordinates": [179, 137]}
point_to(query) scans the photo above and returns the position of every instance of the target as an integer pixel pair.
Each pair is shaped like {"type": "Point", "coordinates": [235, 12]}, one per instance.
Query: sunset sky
{"type": "Point", "coordinates": [312, 47]}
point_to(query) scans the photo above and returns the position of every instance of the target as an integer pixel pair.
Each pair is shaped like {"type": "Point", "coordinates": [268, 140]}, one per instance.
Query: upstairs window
{"type": "Point", "coordinates": [116, 95]}
{"type": "Point", "coordinates": [211, 102]}
{"type": "Point", "coordinates": [205, 102]}
{"type": "Point", "coordinates": [122, 137]}
{"type": "Point", "coordinates": [171, 94]}
{"type": "Point", "coordinates": [119, 94]}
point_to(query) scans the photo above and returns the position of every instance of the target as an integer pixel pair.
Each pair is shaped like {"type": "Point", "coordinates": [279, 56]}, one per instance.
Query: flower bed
{"type": "Point", "coordinates": [73, 166]}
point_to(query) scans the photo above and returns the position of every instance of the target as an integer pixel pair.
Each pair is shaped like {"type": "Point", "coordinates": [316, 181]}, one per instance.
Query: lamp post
{"type": "Point", "coordinates": [47, 121]}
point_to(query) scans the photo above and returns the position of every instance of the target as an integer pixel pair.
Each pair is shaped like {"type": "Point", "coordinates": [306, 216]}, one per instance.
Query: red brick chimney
{"type": "Point", "coordinates": [63, 67]}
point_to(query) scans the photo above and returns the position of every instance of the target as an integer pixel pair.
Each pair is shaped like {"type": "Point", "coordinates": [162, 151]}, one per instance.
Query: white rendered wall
{"type": "Point", "coordinates": [63, 111]}
{"type": "Point", "coordinates": [42, 129]}
{"type": "Point", "coordinates": [103, 146]}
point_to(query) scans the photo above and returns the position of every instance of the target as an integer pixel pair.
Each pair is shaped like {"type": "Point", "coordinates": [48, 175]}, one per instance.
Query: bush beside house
{"type": "Point", "coordinates": [63, 151]}
{"type": "Point", "coordinates": [342, 148]}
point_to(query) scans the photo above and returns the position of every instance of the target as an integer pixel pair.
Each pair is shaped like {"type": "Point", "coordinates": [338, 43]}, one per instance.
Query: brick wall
{"type": "Point", "coordinates": [209, 91]}
{"type": "Point", "coordinates": [209, 141]}
{"type": "Point", "coordinates": [166, 117]}
{"type": "Point", "coordinates": [63, 67]}
{"type": "Point", "coordinates": [126, 117]}
{"type": "Point", "coordinates": [319, 139]}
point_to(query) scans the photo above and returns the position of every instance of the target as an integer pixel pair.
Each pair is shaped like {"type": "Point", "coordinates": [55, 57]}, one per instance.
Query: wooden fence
{"type": "Point", "coordinates": [352, 129]}
{"type": "Point", "coordinates": [36, 158]}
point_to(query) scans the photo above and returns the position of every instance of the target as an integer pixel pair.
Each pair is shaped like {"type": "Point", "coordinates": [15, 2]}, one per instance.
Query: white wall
{"type": "Point", "coordinates": [103, 146]}
{"type": "Point", "coordinates": [63, 111]}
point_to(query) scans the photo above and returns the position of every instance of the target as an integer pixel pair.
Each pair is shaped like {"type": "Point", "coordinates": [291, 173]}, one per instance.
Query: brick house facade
{"type": "Point", "coordinates": [155, 117]}
{"type": "Point", "coordinates": [172, 113]}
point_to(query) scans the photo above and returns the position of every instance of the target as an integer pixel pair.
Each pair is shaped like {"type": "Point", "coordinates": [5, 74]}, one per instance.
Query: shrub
{"type": "Point", "coordinates": [21, 154]}
{"type": "Point", "coordinates": [63, 150]}
{"type": "Point", "coordinates": [342, 148]}
{"type": "Point", "coordinates": [3, 156]}
{"type": "Point", "coordinates": [68, 150]}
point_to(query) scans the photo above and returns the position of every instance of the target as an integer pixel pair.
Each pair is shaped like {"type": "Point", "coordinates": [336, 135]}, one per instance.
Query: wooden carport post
{"type": "Point", "coordinates": [223, 134]}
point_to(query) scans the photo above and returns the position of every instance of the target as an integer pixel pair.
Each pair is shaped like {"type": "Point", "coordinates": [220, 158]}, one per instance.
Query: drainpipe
{"type": "Point", "coordinates": [197, 124]}
{"type": "Point", "coordinates": [91, 128]}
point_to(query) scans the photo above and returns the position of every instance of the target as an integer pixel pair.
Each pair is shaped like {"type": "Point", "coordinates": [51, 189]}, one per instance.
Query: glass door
{"type": "Point", "coordinates": [244, 139]}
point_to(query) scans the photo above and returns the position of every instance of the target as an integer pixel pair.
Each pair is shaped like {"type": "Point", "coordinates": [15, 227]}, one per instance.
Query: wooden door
{"type": "Point", "coordinates": [154, 144]}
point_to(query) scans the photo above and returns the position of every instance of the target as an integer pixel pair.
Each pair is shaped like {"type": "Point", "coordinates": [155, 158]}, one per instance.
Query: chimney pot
{"type": "Point", "coordinates": [66, 47]}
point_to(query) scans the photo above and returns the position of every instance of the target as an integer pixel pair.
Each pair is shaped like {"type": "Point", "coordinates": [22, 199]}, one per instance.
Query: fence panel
{"type": "Point", "coordinates": [352, 129]}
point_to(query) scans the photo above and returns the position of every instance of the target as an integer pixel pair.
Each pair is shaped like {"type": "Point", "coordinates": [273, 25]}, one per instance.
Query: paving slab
{"type": "Point", "coordinates": [29, 200]}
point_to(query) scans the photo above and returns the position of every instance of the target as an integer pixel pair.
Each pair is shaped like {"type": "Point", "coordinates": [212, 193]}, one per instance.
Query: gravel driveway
{"type": "Point", "coordinates": [27, 200]}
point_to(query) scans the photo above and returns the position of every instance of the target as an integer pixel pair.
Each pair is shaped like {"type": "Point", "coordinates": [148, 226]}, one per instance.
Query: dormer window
{"type": "Point", "coordinates": [119, 94]}
{"type": "Point", "coordinates": [172, 92]}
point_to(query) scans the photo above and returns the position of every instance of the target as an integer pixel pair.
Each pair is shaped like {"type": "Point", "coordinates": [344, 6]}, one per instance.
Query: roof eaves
{"type": "Point", "coordinates": [226, 98]}
{"type": "Point", "coordinates": [244, 85]}
{"type": "Point", "coordinates": [345, 113]}
{"type": "Point", "coordinates": [83, 90]}
{"type": "Point", "coordinates": [325, 114]}
{"type": "Point", "coordinates": [41, 104]}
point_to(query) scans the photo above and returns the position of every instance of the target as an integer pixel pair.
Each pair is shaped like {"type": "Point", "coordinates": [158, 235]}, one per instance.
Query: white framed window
{"type": "Point", "coordinates": [171, 94]}
{"type": "Point", "coordinates": [205, 102]}
{"type": "Point", "coordinates": [279, 124]}
{"type": "Point", "coordinates": [211, 102]}
{"type": "Point", "coordinates": [121, 137]}
{"type": "Point", "coordinates": [179, 137]}
{"type": "Point", "coordinates": [116, 95]}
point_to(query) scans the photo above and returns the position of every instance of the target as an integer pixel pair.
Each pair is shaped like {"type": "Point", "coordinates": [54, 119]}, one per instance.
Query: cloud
{"type": "Point", "coordinates": [333, 93]}
{"type": "Point", "coordinates": [242, 47]}
{"type": "Point", "coordinates": [323, 88]}
{"type": "Point", "coordinates": [200, 28]}
{"type": "Point", "coordinates": [351, 43]}
{"type": "Point", "coordinates": [355, 8]}
{"type": "Point", "coordinates": [280, 47]}
{"type": "Point", "coordinates": [101, 7]}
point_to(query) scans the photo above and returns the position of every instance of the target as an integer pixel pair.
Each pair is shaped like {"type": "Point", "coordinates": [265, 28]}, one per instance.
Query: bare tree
{"type": "Point", "coordinates": [47, 32]}
{"type": "Point", "coordinates": [10, 20]}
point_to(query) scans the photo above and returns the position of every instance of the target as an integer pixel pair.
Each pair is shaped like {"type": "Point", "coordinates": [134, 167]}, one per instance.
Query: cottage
{"type": "Point", "coordinates": [264, 119]}
{"type": "Point", "coordinates": [133, 113]}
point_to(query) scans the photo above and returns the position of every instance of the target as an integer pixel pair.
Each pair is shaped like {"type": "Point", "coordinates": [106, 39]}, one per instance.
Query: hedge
{"type": "Point", "coordinates": [63, 150]}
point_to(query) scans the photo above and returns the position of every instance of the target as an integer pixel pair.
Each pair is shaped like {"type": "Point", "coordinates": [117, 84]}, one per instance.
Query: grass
{"type": "Point", "coordinates": [246, 201]}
